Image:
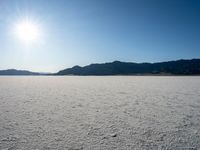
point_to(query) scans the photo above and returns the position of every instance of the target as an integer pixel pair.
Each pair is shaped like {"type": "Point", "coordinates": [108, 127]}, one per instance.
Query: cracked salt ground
{"type": "Point", "coordinates": [115, 112]}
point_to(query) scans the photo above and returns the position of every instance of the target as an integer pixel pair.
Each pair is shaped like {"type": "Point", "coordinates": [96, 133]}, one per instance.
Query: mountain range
{"type": "Point", "coordinates": [18, 72]}
{"type": "Point", "coordinates": [178, 67]}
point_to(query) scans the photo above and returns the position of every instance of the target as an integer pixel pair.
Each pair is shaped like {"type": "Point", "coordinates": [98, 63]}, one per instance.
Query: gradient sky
{"type": "Point", "coordinates": [80, 32]}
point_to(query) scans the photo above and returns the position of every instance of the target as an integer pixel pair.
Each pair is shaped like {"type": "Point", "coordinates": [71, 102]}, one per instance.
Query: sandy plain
{"type": "Point", "coordinates": [94, 113]}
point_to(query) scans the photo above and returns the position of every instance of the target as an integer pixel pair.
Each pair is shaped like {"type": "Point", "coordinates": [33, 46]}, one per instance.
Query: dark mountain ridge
{"type": "Point", "coordinates": [179, 67]}
{"type": "Point", "coordinates": [17, 72]}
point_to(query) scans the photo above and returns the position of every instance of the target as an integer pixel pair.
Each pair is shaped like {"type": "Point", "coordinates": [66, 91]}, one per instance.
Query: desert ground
{"type": "Point", "coordinates": [99, 113]}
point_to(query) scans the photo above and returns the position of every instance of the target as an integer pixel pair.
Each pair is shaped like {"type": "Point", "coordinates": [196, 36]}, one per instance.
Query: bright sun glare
{"type": "Point", "coordinates": [27, 31]}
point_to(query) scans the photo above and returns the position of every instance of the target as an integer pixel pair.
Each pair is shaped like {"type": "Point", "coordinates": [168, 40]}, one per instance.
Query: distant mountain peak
{"type": "Point", "coordinates": [116, 61]}
{"type": "Point", "coordinates": [17, 72]}
{"type": "Point", "coordinates": [178, 67]}
{"type": "Point", "coordinates": [77, 66]}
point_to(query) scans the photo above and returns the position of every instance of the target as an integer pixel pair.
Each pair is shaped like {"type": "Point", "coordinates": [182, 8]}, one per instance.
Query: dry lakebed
{"type": "Point", "coordinates": [99, 112]}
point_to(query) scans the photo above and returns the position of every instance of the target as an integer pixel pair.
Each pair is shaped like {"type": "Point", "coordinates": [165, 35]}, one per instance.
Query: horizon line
{"type": "Point", "coordinates": [41, 72]}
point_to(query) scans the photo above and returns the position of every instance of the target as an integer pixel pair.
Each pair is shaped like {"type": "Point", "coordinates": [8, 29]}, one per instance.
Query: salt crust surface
{"type": "Point", "coordinates": [105, 112]}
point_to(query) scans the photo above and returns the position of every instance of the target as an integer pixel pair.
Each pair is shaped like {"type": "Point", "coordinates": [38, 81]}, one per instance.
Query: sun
{"type": "Point", "coordinates": [27, 31]}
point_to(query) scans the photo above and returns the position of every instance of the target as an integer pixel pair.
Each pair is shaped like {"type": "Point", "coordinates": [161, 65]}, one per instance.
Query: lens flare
{"type": "Point", "coordinates": [27, 31]}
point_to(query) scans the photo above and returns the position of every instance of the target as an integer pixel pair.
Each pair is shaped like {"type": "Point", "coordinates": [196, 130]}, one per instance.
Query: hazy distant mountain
{"type": "Point", "coordinates": [179, 67]}
{"type": "Point", "coordinates": [17, 72]}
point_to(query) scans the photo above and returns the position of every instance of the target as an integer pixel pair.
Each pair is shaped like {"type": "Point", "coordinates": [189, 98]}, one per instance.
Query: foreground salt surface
{"type": "Point", "coordinates": [120, 112]}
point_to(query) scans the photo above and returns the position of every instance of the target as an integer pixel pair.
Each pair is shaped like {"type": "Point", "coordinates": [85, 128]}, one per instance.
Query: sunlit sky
{"type": "Point", "coordinates": [80, 32]}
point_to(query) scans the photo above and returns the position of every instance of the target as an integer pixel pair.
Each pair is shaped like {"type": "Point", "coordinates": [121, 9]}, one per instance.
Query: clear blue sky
{"type": "Point", "coordinates": [80, 32]}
